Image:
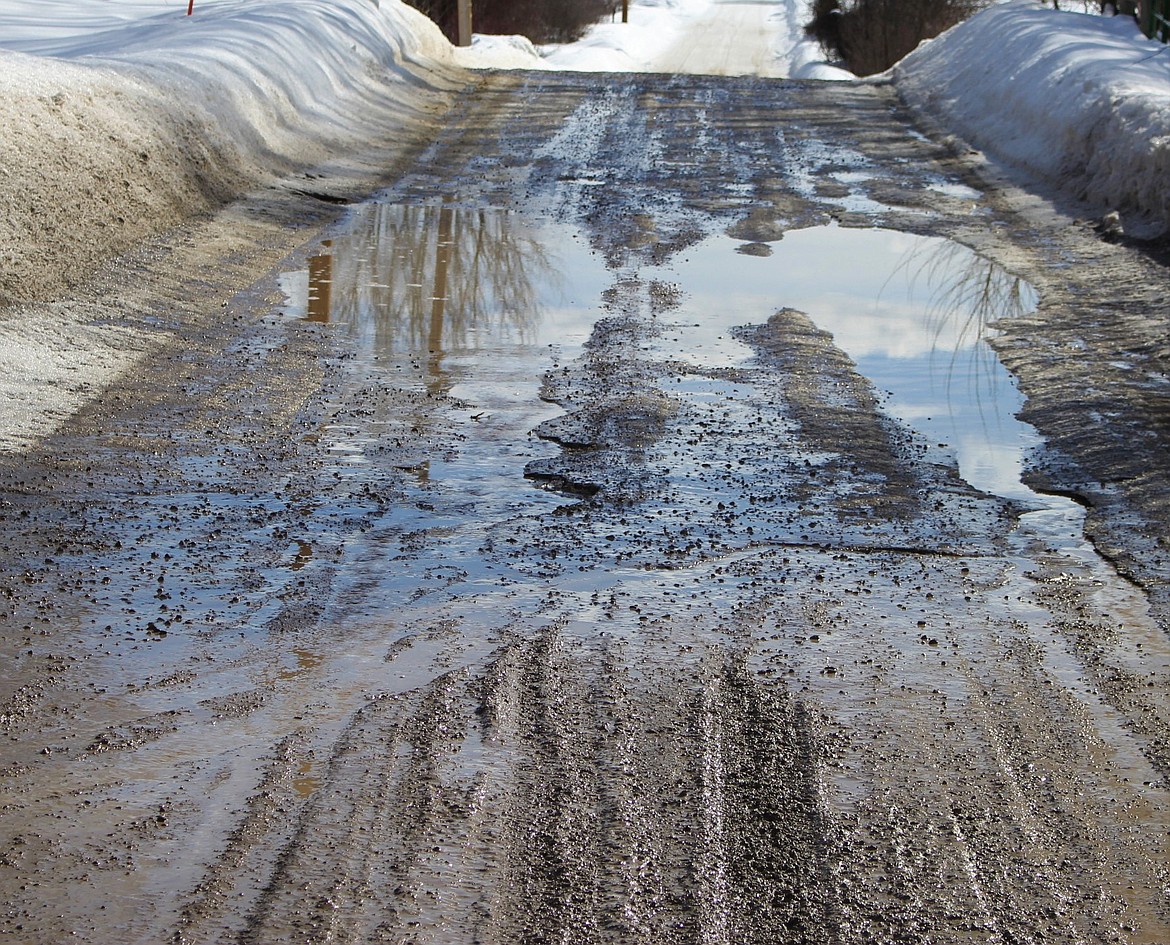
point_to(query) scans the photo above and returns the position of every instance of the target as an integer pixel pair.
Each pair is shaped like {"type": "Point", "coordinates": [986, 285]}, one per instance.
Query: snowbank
{"type": "Point", "coordinates": [1080, 101]}
{"type": "Point", "coordinates": [500, 52]}
{"type": "Point", "coordinates": [807, 61]}
{"type": "Point", "coordinates": [115, 131]}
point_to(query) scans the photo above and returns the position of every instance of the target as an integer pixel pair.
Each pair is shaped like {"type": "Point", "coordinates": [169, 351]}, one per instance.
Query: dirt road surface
{"type": "Point", "coordinates": [441, 574]}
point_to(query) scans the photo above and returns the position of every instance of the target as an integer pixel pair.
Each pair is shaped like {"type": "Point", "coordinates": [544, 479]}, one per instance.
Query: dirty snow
{"type": "Point", "coordinates": [133, 115]}
{"type": "Point", "coordinates": [1080, 101]}
{"type": "Point", "coordinates": [124, 117]}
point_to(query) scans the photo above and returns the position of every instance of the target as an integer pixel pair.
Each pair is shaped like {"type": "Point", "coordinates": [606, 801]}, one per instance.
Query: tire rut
{"type": "Point", "coordinates": [586, 800]}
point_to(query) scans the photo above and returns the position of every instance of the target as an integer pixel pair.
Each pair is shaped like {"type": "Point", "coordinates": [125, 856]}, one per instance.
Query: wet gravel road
{"type": "Point", "coordinates": [441, 575]}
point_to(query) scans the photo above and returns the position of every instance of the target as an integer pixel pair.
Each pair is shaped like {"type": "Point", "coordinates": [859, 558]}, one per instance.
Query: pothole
{"type": "Point", "coordinates": [472, 315]}
{"type": "Point", "coordinates": [475, 306]}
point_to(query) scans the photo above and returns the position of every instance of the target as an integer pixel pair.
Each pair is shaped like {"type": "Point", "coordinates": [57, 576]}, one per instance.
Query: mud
{"type": "Point", "coordinates": [332, 626]}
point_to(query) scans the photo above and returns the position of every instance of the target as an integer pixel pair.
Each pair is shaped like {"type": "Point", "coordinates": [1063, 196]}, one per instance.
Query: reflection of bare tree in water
{"type": "Point", "coordinates": [969, 288]}
{"type": "Point", "coordinates": [433, 279]}
{"type": "Point", "coordinates": [967, 293]}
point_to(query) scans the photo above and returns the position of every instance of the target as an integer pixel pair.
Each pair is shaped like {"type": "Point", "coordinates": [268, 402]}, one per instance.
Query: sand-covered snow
{"type": "Point", "coordinates": [114, 133]}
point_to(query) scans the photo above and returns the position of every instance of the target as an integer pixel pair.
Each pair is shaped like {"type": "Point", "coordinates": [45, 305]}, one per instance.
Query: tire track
{"type": "Point", "coordinates": [589, 801]}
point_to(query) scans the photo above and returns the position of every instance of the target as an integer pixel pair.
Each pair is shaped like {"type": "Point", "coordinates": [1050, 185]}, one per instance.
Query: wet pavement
{"type": "Point", "coordinates": [618, 528]}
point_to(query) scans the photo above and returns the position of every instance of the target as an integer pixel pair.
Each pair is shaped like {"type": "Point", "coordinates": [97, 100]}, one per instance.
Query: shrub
{"type": "Point", "coordinates": [871, 35]}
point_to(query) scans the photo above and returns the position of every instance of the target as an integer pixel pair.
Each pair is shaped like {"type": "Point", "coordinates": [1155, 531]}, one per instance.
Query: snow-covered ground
{"type": "Point", "coordinates": [713, 37]}
{"type": "Point", "coordinates": [123, 117]}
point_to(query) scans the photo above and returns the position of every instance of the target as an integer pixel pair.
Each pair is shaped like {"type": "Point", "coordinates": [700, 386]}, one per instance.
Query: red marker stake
{"type": "Point", "coordinates": [190, 7]}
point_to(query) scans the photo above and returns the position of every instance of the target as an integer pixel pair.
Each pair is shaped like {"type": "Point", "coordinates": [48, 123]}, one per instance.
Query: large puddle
{"type": "Point", "coordinates": [471, 309]}
{"type": "Point", "coordinates": [912, 312]}
{"type": "Point", "coordinates": [479, 305]}
{"type": "Point", "coordinates": [472, 305]}
{"type": "Point", "coordinates": [484, 302]}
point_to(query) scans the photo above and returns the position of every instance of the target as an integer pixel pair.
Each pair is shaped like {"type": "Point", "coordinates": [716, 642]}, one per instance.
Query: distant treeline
{"type": "Point", "coordinates": [542, 21]}
{"type": "Point", "coordinates": [869, 36]}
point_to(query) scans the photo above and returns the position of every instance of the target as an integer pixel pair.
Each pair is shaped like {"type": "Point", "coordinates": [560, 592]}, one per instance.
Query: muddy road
{"type": "Point", "coordinates": [616, 529]}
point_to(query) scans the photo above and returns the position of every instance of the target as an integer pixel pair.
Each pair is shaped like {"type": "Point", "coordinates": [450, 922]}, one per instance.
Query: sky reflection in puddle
{"type": "Point", "coordinates": [912, 312]}
{"type": "Point", "coordinates": [482, 303]}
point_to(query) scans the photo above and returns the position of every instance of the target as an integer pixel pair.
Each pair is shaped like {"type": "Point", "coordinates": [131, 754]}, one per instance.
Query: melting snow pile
{"type": "Point", "coordinates": [122, 119]}
{"type": "Point", "coordinates": [1080, 101]}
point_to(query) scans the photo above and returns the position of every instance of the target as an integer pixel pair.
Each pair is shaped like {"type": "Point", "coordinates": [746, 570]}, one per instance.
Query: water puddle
{"type": "Point", "coordinates": [471, 309]}
{"type": "Point", "coordinates": [306, 662]}
{"type": "Point", "coordinates": [455, 315]}
{"type": "Point", "coordinates": [477, 305]}
{"type": "Point", "coordinates": [450, 282]}
{"type": "Point", "coordinates": [915, 314]}
{"type": "Point", "coordinates": [305, 781]}
{"type": "Point", "coordinates": [467, 306]}
{"type": "Point", "coordinates": [912, 312]}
